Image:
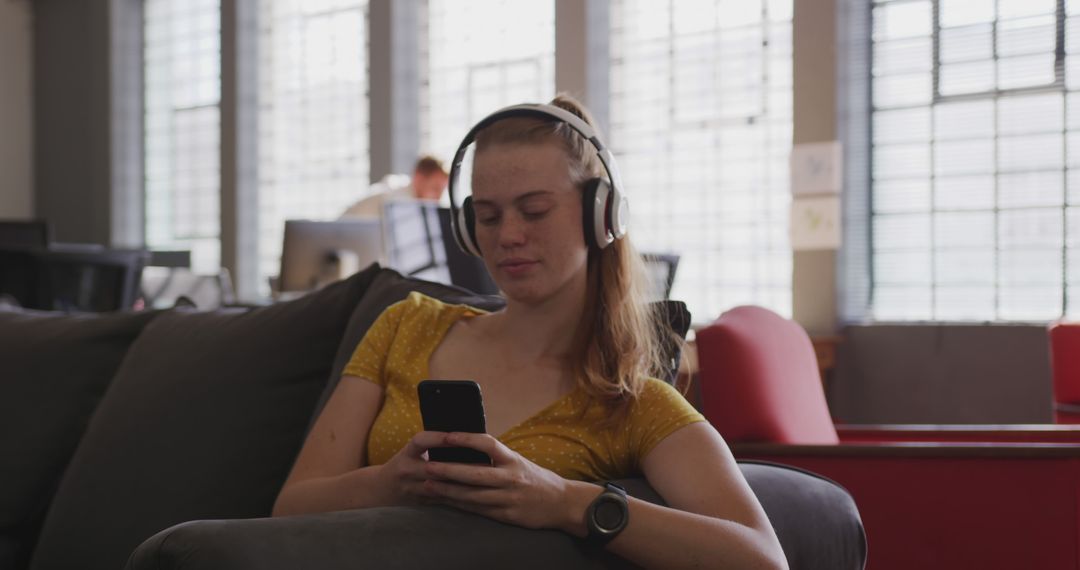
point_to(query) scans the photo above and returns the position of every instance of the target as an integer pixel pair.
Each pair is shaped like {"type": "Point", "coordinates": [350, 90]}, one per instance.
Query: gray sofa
{"type": "Point", "coordinates": [160, 440]}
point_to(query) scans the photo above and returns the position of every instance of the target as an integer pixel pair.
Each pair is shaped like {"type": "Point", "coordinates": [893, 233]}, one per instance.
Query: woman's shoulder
{"type": "Point", "coordinates": [419, 302]}
{"type": "Point", "coordinates": [656, 413]}
{"type": "Point", "coordinates": [657, 396]}
{"type": "Point", "coordinates": [655, 388]}
{"type": "Point", "coordinates": [418, 309]}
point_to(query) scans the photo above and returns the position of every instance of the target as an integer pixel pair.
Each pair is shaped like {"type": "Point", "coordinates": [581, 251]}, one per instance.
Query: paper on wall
{"type": "Point", "coordinates": [816, 168]}
{"type": "Point", "coordinates": [815, 223]}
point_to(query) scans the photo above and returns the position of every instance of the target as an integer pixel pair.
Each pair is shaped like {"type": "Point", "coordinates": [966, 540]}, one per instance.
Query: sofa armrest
{"type": "Point", "coordinates": [790, 454]}
{"type": "Point", "coordinates": [393, 537]}
{"type": "Point", "coordinates": [959, 433]}
{"type": "Point", "coordinates": [816, 520]}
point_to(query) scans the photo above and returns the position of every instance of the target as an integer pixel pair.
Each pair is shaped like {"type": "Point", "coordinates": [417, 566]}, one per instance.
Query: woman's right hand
{"type": "Point", "coordinates": [402, 477]}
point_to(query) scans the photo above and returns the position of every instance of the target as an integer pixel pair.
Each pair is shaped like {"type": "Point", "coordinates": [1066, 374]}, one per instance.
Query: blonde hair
{"type": "Point", "coordinates": [617, 342]}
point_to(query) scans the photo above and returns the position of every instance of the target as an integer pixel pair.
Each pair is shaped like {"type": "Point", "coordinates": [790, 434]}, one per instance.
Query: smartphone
{"type": "Point", "coordinates": [453, 405]}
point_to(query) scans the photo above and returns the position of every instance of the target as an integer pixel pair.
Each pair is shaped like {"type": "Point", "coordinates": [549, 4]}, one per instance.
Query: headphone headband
{"type": "Point", "coordinates": [540, 111]}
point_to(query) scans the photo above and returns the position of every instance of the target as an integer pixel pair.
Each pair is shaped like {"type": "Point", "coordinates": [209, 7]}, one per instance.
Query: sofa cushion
{"type": "Point", "coordinates": [202, 421]}
{"type": "Point", "coordinates": [55, 368]}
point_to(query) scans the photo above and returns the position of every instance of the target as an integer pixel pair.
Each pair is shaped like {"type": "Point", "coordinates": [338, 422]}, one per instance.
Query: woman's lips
{"type": "Point", "coordinates": [517, 267]}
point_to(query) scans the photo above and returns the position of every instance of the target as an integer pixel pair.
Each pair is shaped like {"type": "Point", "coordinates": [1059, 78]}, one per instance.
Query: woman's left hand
{"type": "Point", "coordinates": [514, 490]}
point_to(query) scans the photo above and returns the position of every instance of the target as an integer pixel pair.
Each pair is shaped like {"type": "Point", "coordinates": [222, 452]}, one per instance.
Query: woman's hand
{"type": "Point", "coordinates": [514, 490]}
{"type": "Point", "coordinates": [402, 478]}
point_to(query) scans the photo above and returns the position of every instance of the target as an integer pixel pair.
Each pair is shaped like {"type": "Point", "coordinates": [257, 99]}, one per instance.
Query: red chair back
{"type": "Point", "coordinates": [760, 380]}
{"type": "Point", "coordinates": [1065, 366]}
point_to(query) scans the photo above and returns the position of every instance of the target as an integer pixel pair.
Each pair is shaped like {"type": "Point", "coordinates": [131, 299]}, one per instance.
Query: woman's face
{"type": "Point", "coordinates": [528, 219]}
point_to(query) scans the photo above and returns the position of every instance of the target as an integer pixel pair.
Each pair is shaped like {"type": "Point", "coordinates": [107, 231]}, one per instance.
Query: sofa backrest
{"type": "Point", "coordinates": [202, 421]}
{"type": "Point", "coordinates": [760, 380]}
{"type": "Point", "coordinates": [1065, 363]}
{"type": "Point", "coordinates": [54, 369]}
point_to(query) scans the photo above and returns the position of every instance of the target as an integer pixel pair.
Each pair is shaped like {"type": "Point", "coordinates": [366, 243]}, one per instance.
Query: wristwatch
{"type": "Point", "coordinates": [607, 515]}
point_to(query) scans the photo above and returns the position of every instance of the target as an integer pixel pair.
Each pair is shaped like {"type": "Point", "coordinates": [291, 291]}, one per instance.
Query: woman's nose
{"type": "Point", "coordinates": [511, 231]}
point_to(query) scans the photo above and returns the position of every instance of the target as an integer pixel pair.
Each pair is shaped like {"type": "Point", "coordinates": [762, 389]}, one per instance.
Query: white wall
{"type": "Point", "coordinates": [16, 111]}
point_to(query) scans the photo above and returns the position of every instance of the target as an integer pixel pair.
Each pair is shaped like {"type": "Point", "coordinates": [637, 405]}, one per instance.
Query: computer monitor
{"type": "Point", "coordinates": [315, 253]}
{"type": "Point", "coordinates": [72, 279]}
{"type": "Point", "coordinates": [413, 239]}
{"type": "Point", "coordinates": [465, 270]}
{"type": "Point", "coordinates": [80, 280]}
{"type": "Point", "coordinates": [28, 234]}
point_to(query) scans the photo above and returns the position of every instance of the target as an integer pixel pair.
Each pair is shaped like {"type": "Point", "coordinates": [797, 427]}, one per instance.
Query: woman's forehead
{"type": "Point", "coordinates": [529, 156]}
{"type": "Point", "coordinates": [520, 168]}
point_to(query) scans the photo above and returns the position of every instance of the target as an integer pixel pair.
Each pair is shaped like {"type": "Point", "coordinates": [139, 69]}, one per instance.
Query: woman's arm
{"type": "Point", "coordinates": [713, 519]}
{"type": "Point", "coordinates": [330, 475]}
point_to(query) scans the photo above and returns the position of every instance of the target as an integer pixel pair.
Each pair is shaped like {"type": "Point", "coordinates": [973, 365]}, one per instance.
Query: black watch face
{"type": "Point", "coordinates": [608, 514]}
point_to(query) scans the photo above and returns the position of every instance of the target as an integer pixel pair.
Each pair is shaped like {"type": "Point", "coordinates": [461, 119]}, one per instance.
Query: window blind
{"type": "Point", "coordinates": [701, 121]}
{"type": "Point", "coordinates": [975, 200]}
{"type": "Point", "coordinates": [480, 56]}
{"type": "Point", "coordinates": [313, 115]}
{"type": "Point", "coordinates": [181, 59]}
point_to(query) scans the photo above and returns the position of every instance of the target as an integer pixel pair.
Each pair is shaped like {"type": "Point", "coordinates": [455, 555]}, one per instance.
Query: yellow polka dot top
{"type": "Point", "coordinates": [561, 437]}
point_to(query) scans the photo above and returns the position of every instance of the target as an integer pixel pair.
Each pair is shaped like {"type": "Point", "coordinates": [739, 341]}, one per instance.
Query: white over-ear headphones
{"type": "Point", "coordinates": [606, 212]}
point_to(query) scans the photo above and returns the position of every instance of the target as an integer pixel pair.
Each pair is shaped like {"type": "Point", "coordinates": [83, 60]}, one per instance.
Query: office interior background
{"type": "Point", "coordinates": [204, 124]}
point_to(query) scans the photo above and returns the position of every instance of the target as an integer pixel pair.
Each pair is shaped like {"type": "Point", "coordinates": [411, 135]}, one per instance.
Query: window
{"type": "Point", "coordinates": [313, 115]}
{"type": "Point", "coordinates": [701, 111]}
{"type": "Point", "coordinates": [182, 91]}
{"type": "Point", "coordinates": [480, 56]}
{"type": "Point", "coordinates": [975, 198]}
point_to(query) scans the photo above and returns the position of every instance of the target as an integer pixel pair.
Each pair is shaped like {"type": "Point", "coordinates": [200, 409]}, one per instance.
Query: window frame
{"type": "Point", "coordinates": [858, 278]}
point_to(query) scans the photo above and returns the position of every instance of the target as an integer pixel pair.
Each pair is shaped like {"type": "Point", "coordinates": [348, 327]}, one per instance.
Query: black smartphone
{"type": "Point", "coordinates": [453, 405]}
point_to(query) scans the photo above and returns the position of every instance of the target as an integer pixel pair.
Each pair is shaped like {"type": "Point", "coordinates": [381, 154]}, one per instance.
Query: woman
{"type": "Point", "coordinates": [565, 370]}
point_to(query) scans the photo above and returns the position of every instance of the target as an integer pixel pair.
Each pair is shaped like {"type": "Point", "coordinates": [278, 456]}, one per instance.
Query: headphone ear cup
{"type": "Point", "coordinates": [588, 212]}
{"type": "Point", "coordinates": [465, 228]}
{"type": "Point", "coordinates": [595, 212]}
{"type": "Point", "coordinates": [618, 214]}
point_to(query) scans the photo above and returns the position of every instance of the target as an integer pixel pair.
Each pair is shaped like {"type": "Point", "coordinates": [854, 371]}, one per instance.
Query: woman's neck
{"type": "Point", "coordinates": [546, 330]}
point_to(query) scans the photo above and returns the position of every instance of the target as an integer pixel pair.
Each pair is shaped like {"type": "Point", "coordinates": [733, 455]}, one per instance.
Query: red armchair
{"type": "Point", "coordinates": [756, 343]}
{"type": "Point", "coordinates": [1065, 364]}
{"type": "Point", "coordinates": [929, 496]}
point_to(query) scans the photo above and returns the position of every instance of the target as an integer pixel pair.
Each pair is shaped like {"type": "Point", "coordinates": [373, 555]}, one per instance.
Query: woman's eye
{"type": "Point", "coordinates": [535, 214]}
{"type": "Point", "coordinates": [488, 220]}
